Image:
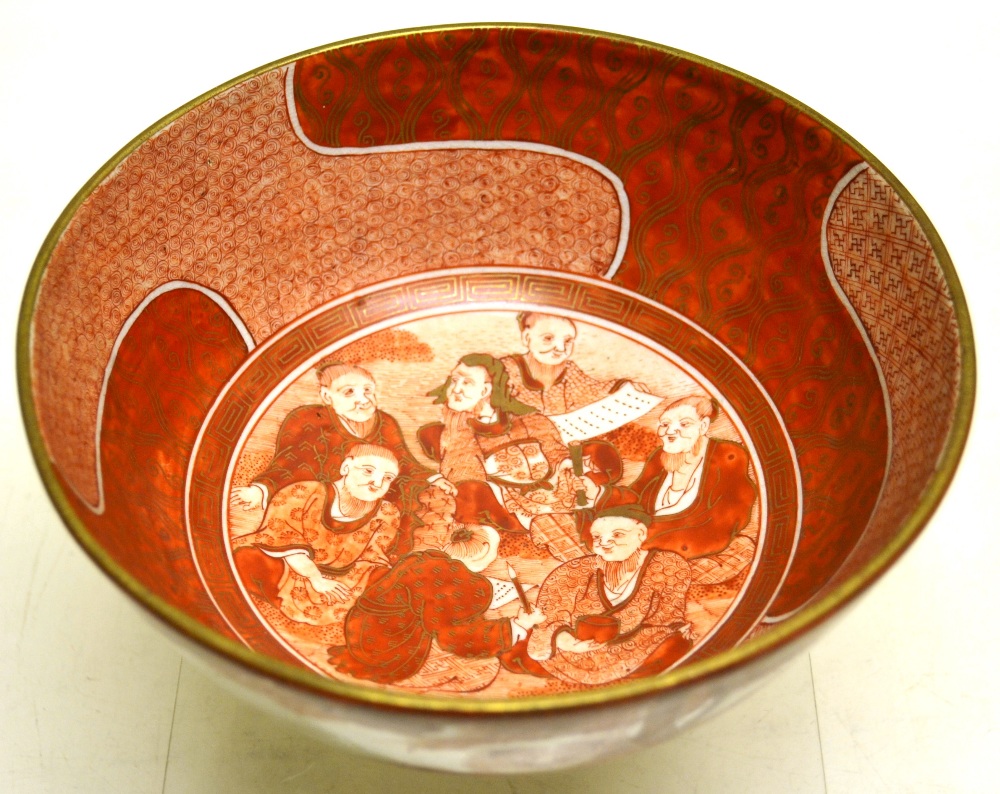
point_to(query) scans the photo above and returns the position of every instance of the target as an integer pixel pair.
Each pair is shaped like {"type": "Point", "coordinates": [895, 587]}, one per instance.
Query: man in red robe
{"type": "Point", "coordinates": [431, 605]}
{"type": "Point", "coordinates": [696, 488]}
{"type": "Point", "coordinates": [618, 613]}
{"type": "Point", "coordinates": [313, 440]}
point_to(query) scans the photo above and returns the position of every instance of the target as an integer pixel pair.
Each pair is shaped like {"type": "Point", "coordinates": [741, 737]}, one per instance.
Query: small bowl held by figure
{"type": "Point", "coordinates": [599, 628]}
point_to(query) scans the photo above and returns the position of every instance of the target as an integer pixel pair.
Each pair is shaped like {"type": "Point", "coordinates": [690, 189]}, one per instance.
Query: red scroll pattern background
{"type": "Point", "coordinates": [726, 184]}
{"type": "Point", "coordinates": [727, 188]}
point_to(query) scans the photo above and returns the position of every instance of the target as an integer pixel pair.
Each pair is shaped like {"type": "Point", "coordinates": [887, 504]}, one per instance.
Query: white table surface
{"type": "Point", "coordinates": [902, 695]}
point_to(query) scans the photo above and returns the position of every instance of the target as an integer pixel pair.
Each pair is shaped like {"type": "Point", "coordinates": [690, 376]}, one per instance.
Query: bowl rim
{"type": "Point", "coordinates": [778, 636]}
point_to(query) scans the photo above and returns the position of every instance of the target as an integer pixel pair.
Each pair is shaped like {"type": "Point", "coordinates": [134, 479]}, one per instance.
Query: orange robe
{"type": "Point", "coordinates": [299, 520]}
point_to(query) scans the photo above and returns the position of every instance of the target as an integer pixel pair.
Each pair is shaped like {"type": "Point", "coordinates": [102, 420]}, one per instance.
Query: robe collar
{"type": "Point", "coordinates": [344, 527]}
{"type": "Point", "coordinates": [612, 608]}
{"type": "Point", "coordinates": [500, 427]}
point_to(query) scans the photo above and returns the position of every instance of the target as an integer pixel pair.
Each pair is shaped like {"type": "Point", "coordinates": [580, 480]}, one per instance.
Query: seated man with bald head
{"type": "Point", "coordinates": [319, 542]}
{"type": "Point", "coordinates": [313, 440]}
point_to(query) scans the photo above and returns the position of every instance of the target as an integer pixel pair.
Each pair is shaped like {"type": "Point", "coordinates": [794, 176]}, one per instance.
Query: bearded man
{"type": "Point", "coordinates": [618, 613]}
{"type": "Point", "coordinates": [313, 439]}
{"type": "Point", "coordinates": [696, 488]}
{"type": "Point", "coordinates": [319, 542]}
{"type": "Point", "coordinates": [505, 462]}
{"type": "Point", "coordinates": [422, 625]}
{"type": "Point", "coordinates": [545, 376]}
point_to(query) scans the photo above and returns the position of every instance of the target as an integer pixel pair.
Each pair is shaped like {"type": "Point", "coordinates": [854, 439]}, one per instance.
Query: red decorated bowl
{"type": "Point", "coordinates": [495, 397]}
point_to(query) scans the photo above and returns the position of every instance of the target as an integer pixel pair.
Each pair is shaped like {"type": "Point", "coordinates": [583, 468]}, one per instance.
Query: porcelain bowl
{"type": "Point", "coordinates": [494, 398]}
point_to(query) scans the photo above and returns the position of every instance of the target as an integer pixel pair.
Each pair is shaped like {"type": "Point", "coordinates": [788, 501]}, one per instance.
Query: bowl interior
{"type": "Point", "coordinates": [498, 365]}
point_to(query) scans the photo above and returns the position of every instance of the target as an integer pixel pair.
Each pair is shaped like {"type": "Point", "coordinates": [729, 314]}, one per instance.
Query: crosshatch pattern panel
{"type": "Point", "coordinates": [229, 197]}
{"type": "Point", "coordinates": [886, 266]}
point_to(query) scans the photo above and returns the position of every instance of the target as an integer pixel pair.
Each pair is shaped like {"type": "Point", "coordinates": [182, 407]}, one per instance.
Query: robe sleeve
{"type": "Point", "coordinates": [283, 527]}
{"type": "Point", "coordinates": [557, 600]}
{"type": "Point", "coordinates": [296, 454]}
{"type": "Point", "coordinates": [392, 437]}
{"type": "Point", "coordinates": [454, 612]}
{"type": "Point", "coordinates": [583, 389]}
{"type": "Point", "coordinates": [429, 437]}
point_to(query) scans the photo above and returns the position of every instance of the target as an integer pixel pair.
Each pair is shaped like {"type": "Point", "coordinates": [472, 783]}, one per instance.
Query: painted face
{"type": "Point", "coordinates": [550, 340]}
{"type": "Point", "coordinates": [467, 386]}
{"type": "Point", "coordinates": [368, 477]}
{"type": "Point", "coordinates": [617, 538]}
{"type": "Point", "coordinates": [351, 396]}
{"type": "Point", "coordinates": [680, 428]}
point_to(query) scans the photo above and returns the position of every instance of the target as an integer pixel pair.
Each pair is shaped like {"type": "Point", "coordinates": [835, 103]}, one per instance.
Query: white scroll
{"type": "Point", "coordinates": [504, 592]}
{"type": "Point", "coordinates": [614, 411]}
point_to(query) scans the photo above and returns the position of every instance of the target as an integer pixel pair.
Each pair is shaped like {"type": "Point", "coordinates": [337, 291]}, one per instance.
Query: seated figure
{"type": "Point", "coordinates": [505, 462]}
{"type": "Point", "coordinates": [696, 488]}
{"type": "Point", "coordinates": [545, 375]}
{"type": "Point", "coordinates": [313, 439]}
{"type": "Point", "coordinates": [320, 541]}
{"type": "Point", "coordinates": [616, 614]}
{"type": "Point", "coordinates": [422, 624]}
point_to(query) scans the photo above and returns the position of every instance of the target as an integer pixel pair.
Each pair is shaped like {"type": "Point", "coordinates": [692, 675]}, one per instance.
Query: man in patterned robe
{"type": "Point", "coordinates": [505, 462]}
{"type": "Point", "coordinates": [319, 542]}
{"type": "Point", "coordinates": [422, 624]}
{"type": "Point", "coordinates": [637, 595]}
{"type": "Point", "coordinates": [545, 376]}
{"type": "Point", "coordinates": [697, 489]}
{"type": "Point", "coordinates": [313, 440]}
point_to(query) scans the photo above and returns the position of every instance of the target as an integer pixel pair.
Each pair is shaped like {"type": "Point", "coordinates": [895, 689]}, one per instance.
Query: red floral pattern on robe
{"type": "Point", "coordinates": [298, 521]}
{"type": "Point", "coordinates": [650, 617]}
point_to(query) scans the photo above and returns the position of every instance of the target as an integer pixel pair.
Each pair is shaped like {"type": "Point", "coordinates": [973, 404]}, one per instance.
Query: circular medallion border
{"type": "Point", "coordinates": [286, 355]}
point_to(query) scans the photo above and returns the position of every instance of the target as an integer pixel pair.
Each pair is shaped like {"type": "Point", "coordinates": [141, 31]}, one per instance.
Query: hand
{"type": "Point", "coordinates": [330, 589]}
{"type": "Point", "coordinates": [447, 486]}
{"type": "Point", "coordinates": [527, 620]}
{"type": "Point", "coordinates": [564, 465]}
{"type": "Point", "coordinates": [249, 497]}
{"type": "Point", "coordinates": [588, 486]}
{"type": "Point", "coordinates": [567, 642]}
{"type": "Point", "coordinates": [638, 386]}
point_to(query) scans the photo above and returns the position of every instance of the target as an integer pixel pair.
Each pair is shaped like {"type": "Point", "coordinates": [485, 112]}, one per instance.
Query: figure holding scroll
{"type": "Point", "coordinates": [545, 376]}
